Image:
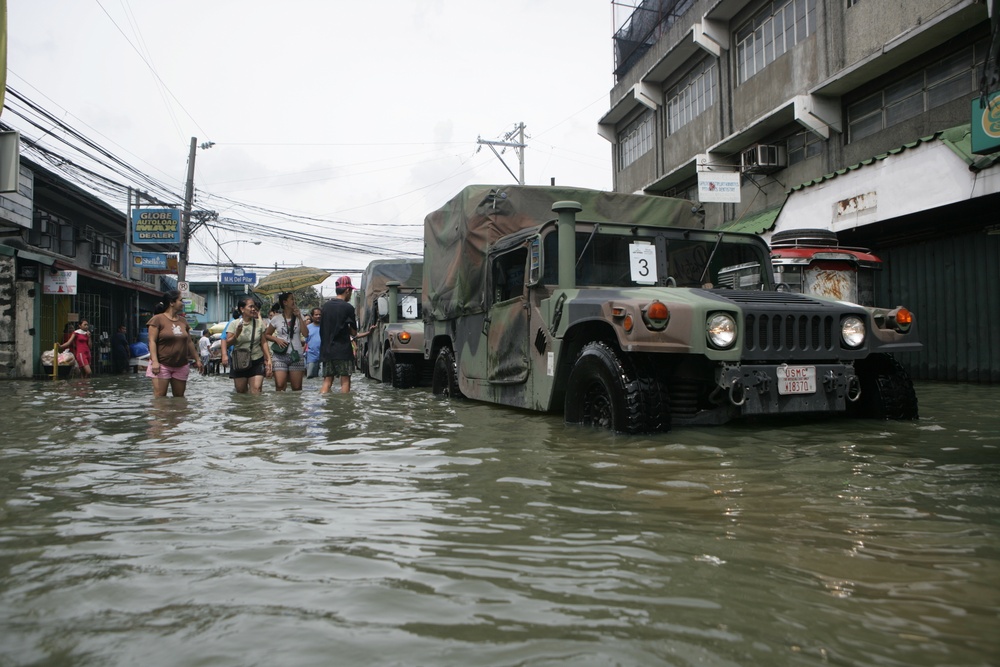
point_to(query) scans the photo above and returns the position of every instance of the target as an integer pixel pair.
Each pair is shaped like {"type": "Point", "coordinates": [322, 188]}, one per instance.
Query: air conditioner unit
{"type": "Point", "coordinates": [763, 159]}
{"type": "Point", "coordinates": [102, 261]}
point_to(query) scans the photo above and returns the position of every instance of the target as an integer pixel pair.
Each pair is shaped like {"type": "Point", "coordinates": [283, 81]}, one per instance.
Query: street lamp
{"type": "Point", "coordinates": [218, 298]}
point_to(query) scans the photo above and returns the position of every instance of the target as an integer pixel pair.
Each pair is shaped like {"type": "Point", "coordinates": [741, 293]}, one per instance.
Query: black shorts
{"type": "Point", "coordinates": [256, 368]}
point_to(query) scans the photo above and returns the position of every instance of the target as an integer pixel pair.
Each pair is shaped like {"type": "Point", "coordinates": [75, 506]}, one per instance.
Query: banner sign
{"type": "Point", "coordinates": [59, 283]}
{"type": "Point", "coordinates": [170, 269]}
{"type": "Point", "coordinates": [150, 260]}
{"type": "Point", "coordinates": [719, 186]}
{"type": "Point", "coordinates": [237, 278]}
{"type": "Point", "coordinates": [156, 225]}
{"type": "Point", "coordinates": [986, 125]}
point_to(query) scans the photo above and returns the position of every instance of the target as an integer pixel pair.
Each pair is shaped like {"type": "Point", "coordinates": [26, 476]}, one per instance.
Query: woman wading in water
{"type": "Point", "coordinates": [170, 346]}
{"type": "Point", "coordinates": [247, 333]}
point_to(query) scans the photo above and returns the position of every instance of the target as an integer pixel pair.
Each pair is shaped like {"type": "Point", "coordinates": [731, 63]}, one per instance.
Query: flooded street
{"type": "Point", "coordinates": [395, 528]}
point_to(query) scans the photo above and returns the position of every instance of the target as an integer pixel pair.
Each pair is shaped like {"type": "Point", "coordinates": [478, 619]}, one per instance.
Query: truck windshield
{"type": "Point", "coordinates": [617, 258]}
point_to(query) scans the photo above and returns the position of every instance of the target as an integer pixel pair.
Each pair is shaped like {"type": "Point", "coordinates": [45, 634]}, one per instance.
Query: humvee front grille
{"type": "Point", "coordinates": [790, 334]}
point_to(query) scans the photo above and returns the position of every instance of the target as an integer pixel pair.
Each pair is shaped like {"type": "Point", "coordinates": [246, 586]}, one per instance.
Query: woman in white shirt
{"type": "Point", "coordinates": [285, 331]}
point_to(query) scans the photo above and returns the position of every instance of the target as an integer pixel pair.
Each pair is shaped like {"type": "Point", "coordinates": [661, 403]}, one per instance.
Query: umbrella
{"type": "Point", "coordinates": [289, 280]}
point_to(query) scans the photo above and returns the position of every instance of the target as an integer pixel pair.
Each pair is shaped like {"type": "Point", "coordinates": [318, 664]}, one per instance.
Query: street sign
{"type": "Point", "coordinates": [184, 288]}
{"type": "Point", "coordinates": [241, 278]}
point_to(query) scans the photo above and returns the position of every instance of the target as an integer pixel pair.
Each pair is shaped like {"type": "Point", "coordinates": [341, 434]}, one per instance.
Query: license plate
{"type": "Point", "coordinates": [796, 379]}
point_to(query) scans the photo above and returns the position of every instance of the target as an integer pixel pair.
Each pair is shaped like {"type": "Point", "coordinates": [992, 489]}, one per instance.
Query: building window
{"type": "Point", "coordinates": [692, 95]}
{"type": "Point", "coordinates": [947, 79]}
{"type": "Point", "coordinates": [804, 145]}
{"type": "Point", "coordinates": [776, 29]}
{"type": "Point", "coordinates": [635, 140]}
{"type": "Point", "coordinates": [53, 233]}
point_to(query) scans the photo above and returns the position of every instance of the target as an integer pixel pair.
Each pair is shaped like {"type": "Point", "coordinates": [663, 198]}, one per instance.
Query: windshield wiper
{"type": "Point", "coordinates": [704, 274]}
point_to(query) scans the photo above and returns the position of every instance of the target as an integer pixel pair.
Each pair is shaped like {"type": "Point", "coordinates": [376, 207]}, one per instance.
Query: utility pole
{"type": "Point", "coordinates": [186, 213]}
{"type": "Point", "coordinates": [507, 143]}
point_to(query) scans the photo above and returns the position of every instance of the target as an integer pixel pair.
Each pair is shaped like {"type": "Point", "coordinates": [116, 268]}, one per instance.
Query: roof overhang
{"type": "Point", "coordinates": [888, 187]}
{"type": "Point", "coordinates": [904, 47]}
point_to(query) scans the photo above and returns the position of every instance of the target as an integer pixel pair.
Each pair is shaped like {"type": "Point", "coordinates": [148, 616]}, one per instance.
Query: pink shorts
{"type": "Point", "coordinates": [170, 372]}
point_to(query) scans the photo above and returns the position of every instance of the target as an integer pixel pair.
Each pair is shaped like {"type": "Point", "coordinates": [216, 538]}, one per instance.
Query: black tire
{"type": "Point", "coordinates": [886, 390]}
{"type": "Point", "coordinates": [399, 375]}
{"type": "Point", "coordinates": [604, 391]}
{"type": "Point", "coordinates": [444, 382]}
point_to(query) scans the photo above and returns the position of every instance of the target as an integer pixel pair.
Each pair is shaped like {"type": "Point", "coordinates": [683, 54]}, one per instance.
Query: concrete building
{"type": "Point", "coordinates": [51, 228]}
{"type": "Point", "coordinates": [847, 115]}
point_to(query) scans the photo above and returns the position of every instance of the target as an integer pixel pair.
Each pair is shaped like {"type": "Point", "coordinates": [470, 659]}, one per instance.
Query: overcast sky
{"type": "Point", "coordinates": [362, 112]}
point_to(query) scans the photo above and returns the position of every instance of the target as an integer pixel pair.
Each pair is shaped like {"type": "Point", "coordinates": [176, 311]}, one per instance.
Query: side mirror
{"type": "Point", "coordinates": [383, 306]}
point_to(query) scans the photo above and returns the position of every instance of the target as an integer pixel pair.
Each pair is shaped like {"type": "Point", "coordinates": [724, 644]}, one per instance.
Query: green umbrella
{"type": "Point", "coordinates": [289, 280]}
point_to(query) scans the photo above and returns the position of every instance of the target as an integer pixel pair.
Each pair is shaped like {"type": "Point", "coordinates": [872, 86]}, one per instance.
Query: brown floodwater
{"type": "Point", "coordinates": [397, 528]}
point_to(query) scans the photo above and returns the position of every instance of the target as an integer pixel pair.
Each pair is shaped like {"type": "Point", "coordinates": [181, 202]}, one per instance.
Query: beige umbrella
{"type": "Point", "coordinates": [289, 280]}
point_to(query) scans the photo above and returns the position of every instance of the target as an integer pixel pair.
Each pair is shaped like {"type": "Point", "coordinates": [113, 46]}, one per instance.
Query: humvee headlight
{"type": "Point", "coordinates": [721, 329]}
{"type": "Point", "coordinates": [852, 330]}
{"type": "Point", "coordinates": [656, 316]}
{"type": "Point", "coordinates": [403, 337]}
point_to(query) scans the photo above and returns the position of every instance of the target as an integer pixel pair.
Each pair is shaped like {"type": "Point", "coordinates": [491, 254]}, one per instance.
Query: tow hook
{"type": "Point", "coordinates": [853, 389]}
{"type": "Point", "coordinates": [737, 388]}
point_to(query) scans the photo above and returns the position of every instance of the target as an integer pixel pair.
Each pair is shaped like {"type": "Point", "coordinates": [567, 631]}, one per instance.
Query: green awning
{"type": "Point", "coordinates": [753, 224]}
{"type": "Point", "coordinates": [35, 257]}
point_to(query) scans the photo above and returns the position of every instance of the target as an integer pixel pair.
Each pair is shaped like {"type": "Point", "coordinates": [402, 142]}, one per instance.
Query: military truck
{"type": "Point", "coordinates": [389, 298]}
{"type": "Point", "coordinates": [812, 261]}
{"type": "Point", "coordinates": [615, 310]}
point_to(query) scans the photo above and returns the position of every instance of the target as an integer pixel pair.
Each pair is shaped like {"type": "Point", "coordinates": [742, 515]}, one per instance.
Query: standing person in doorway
{"type": "Point", "coordinates": [120, 350]}
{"type": "Point", "coordinates": [284, 332]}
{"type": "Point", "coordinates": [79, 343]}
{"type": "Point", "coordinates": [338, 327]}
{"type": "Point", "coordinates": [313, 344]}
{"type": "Point", "coordinates": [170, 346]}
{"type": "Point", "coordinates": [205, 350]}
{"type": "Point", "coordinates": [247, 333]}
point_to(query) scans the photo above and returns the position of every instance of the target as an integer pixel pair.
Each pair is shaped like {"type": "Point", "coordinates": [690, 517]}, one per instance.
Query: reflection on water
{"type": "Point", "coordinates": [393, 528]}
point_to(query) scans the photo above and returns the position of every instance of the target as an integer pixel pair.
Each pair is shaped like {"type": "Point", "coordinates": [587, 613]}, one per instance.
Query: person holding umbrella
{"type": "Point", "coordinates": [284, 331]}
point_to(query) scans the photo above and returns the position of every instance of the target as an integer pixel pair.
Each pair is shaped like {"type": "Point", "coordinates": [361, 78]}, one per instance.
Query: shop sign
{"type": "Point", "coordinates": [156, 225]}
{"type": "Point", "coordinates": [986, 124]}
{"type": "Point", "coordinates": [719, 186]}
{"type": "Point", "coordinates": [61, 283]}
{"type": "Point", "coordinates": [150, 260]}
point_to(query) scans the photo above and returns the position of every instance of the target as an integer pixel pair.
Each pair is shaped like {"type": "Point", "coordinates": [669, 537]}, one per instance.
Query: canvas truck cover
{"type": "Point", "coordinates": [377, 276]}
{"type": "Point", "coordinates": [458, 235]}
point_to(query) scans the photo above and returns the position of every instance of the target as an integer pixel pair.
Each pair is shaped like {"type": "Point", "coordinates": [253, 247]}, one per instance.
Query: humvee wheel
{"type": "Point", "coordinates": [399, 375]}
{"type": "Point", "coordinates": [604, 391]}
{"type": "Point", "coordinates": [445, 378]}
{"type": "Point", "coordinates": [886, 390]}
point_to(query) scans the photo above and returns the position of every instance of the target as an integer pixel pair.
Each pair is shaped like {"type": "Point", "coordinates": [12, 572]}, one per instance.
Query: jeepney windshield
{"type": "Point", "coordinates": [623, 257]}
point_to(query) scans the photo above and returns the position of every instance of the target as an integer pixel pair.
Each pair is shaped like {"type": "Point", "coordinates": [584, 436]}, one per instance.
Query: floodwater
{"type": "Point", "coordinates": [396, 528]}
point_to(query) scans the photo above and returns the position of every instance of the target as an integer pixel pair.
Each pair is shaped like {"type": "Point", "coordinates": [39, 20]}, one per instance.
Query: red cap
{"type": "Point", "coordinates": [344, 281]}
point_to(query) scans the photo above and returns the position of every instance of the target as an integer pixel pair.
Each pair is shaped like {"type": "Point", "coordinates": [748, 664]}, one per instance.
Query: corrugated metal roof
{"type": "Point", "coordinates": [754, 224]}
{"type": "Point", "coordinates": [958, 139]}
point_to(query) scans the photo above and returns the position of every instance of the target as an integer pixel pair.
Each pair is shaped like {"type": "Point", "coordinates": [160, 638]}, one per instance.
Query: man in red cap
{"type": "Point", "coordinates": [338, 326]}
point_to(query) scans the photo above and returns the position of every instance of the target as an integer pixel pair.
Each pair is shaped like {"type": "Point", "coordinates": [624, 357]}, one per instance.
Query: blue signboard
{"type": "Point", "coordinates": [156, 225]}
{"type": "Point", "coordinates": [150, 260]}
{"type": "Point", "coordinates": [237, 278]}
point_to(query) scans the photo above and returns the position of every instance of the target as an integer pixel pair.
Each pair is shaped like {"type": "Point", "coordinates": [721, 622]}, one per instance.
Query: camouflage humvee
{"type": "Point", "coordinates": [609, 307]}
{"type": "Point", "coordinates": [390, 299]}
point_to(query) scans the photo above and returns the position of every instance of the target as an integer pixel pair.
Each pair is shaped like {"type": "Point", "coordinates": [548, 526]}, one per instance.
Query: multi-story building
{"type": "Point", "coordinates": [846, 115]}
{"type": "Point", "coordinates": [50, 226]}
